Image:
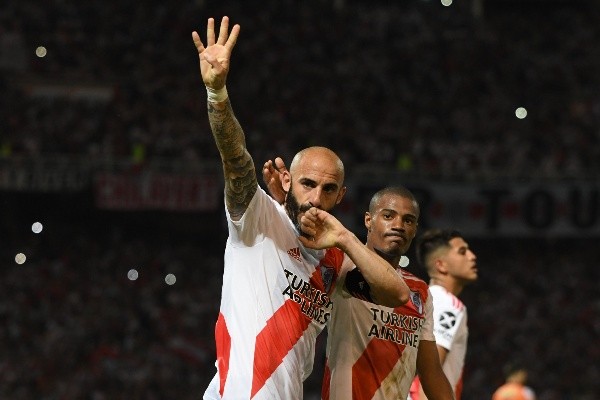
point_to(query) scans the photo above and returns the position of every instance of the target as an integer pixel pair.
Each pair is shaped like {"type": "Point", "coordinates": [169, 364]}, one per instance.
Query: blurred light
{"type": "Point", "coordinates": [20, 258]}
{"type": "Point", "coordinates": [170, 279]}
{"type": "Point", "coordinates": [404, 261]}
{"type": "Point", "coordinates": [40, 51]}
{"type": "Point", "coordinates": [446, 3]}
{"type": "Point", "coordinates": [132, 274]}
{"type": "Point", "coordinates": [521, 112]}
{"type": "Point", "coordinates": [37, 227]}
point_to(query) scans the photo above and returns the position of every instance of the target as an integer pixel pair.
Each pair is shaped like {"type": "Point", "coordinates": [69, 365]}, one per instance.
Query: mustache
{"type": "Point", "coordinates": [397, 234]}
{"type": "Point", "coordinates": [305, 207]}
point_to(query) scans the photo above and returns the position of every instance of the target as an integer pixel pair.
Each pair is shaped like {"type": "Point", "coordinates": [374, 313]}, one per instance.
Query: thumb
{"type": "Point", "coordinates": [307, 242]}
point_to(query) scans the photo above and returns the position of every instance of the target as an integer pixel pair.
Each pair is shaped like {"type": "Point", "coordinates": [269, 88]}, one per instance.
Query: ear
{"type": "Point", "coordinates": [340, 195]}
{"type": "Point", "coordinates": [440, 266]}
{"type": "Point", "coordinates": [286, 180]}
{"type": "Point", "coordinates": [368, 221]}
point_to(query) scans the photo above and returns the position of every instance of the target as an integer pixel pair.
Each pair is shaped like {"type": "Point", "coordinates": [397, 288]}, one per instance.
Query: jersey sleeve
{"type": "Point", "coordinates": [256, 220]}
{"type": "Point", "coordinates": [449, 313]}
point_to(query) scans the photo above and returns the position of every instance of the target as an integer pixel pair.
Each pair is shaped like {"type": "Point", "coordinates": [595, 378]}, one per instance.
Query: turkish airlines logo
{"type": "Point", "coordinates": [447, 320]}
{"type": "Point", "coordinates": [295, 252]}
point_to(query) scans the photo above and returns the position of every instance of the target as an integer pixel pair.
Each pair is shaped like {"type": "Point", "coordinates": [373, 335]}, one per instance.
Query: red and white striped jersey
{"type": "Point", "coordinates": [372, 349]}
{"type": "Point", "coordinates": [274, 303]}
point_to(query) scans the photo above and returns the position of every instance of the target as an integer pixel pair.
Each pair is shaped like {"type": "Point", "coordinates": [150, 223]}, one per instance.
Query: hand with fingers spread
{"type": "Point", "coordinates": [215, 57]}
{"type": "Point", "coordinates": [273, 172]}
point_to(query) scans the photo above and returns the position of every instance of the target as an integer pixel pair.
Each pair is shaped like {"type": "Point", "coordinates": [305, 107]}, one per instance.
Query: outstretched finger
{"type": "Point", "coordinates": [223, 31]}
{"type": "Point", "coordinates": [197, 42]}
{"type": "Point", "coordinates": [210, 32]}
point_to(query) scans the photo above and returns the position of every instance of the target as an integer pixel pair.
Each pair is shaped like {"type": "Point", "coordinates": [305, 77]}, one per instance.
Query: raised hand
{"type": "Point", "coordinates": [215, 57]}
{"type": "Point", "coordinates": [272, 175]}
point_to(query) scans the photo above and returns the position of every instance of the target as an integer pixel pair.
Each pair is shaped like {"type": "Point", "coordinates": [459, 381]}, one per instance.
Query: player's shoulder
{"type": "Point", "coordinates": [441, 296]}
{"type": "Point", "coordinates": [413, 281]}
{"type": "Point", "coordinates": [409, 276]}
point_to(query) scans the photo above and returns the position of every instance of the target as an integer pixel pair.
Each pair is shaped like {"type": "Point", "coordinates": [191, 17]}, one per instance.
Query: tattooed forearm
{"type": "Point", "coordinates": [238, 167]}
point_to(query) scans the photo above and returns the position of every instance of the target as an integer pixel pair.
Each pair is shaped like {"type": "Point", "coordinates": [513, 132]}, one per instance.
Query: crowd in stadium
{"type": "Point", "coordinates": [411, 84]}
{"type": "Point", "coordinates": [419, 88]}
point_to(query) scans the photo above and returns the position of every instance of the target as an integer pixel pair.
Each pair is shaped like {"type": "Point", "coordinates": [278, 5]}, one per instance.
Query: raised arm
{"type": "Point", "coordinates": [238, 168]}
{"type": "Point", "coordinates": [387, 288]}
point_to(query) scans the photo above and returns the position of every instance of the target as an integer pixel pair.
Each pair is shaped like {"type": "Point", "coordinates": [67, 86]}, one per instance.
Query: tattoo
{"type": "Point", "coordinates": [238, 166]}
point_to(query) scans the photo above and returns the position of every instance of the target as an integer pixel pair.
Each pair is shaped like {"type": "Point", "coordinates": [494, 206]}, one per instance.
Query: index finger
{"type": "Point", "coordinates": [210, 32]}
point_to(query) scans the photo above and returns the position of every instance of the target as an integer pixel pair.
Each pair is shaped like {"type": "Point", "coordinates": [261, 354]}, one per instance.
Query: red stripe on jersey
{"type": "Point", "coordinates": [276, 339]}
{"type": "Point", "coordinates": [325, 389]}
{"type": "Point", "coordinates": [415, 393]}
{"type": "Point", "coordinates": [223, 343]}
{"type": "Point", "coordinates": [373, 366]}
{"type": "Point", "coordinates": [459, 387]}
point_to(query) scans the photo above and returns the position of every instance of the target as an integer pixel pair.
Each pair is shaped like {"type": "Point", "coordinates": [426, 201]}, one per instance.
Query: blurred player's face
{"type": "Point", "coordinates": [460, 261]}
{"type": "Point", "coordinates": [392, 226]}
{"type": "Point", "coordinates": [315, 181]}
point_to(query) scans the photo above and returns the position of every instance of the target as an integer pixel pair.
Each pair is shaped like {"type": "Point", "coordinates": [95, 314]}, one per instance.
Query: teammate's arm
{"type": "Point", "coordinates": [434, 382]}
{"type": "Point", "coordinates": [238, 168]}
{"type": "Point", "coordinates": [272, 172]}
{"type": "Point", "coordinates": [324, 231]}
{"type": "Point", "coordinates": [442, 353]}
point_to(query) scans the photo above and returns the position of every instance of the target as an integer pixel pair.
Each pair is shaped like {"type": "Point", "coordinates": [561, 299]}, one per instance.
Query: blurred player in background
{"type": "Point", "coordinates": [514, 388]}
{"type": "Point", "coordinates": [274, 300]}
{"type": "Point", "coordinates": [451, 265]}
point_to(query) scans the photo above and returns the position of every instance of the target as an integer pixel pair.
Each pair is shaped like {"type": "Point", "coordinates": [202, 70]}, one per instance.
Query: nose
{"type": "Point", "coordinates": [315, 197]}
{"type": "Point", "coordinates": [397, 224]}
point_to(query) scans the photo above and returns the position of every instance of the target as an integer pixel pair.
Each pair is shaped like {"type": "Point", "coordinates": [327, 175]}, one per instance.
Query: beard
{"type": "Point", "coordinates": [294, 209]}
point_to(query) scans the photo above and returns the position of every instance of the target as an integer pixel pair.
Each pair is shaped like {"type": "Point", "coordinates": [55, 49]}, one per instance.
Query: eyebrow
{"type": "Point", "coordinates": [329, 186]}
{"type": "Point", "coordinates": [396, 212]}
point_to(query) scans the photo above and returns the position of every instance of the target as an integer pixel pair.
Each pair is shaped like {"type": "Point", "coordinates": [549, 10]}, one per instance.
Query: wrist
{"type": "Point", "coordinates": [345, 240]}
{"type": "Point", "coordinates": [216, 95]}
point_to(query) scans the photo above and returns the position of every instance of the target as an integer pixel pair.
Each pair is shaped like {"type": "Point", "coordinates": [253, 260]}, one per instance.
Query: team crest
{"type": "Point", "coordinates": [327, 276]}
{"type": "Point", "coordinates": [415, 297]}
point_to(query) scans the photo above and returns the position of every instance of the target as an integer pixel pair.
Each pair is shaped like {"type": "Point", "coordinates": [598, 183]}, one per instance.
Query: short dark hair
{"type": "Point", "coordinates": [433, 239]}
{"type": "Point", "coordinates": [393, 190]}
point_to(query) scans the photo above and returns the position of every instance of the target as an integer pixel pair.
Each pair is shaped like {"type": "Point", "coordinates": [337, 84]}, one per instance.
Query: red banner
{"type": "Point", "coordinates": [157, 191]}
